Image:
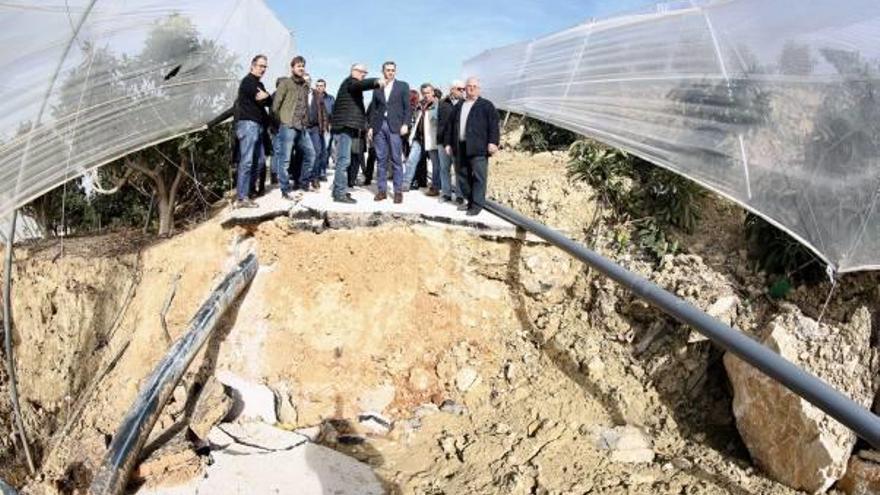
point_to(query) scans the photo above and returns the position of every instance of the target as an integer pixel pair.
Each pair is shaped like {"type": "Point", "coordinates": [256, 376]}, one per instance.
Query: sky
{"type": "Point", "coordinates": [428, 40]}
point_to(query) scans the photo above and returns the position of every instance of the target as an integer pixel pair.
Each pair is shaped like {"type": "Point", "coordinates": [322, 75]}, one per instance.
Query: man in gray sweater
{"type": "Point", "coordinates": [291, 108]}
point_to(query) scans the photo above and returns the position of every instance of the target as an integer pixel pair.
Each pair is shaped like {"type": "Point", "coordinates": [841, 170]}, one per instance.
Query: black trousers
{"type": "Point", "coordinates": [421, 177]}
{"type": "Point", "coordinates": [472, 174]}
{"type": "Point", "coordinates": [370, 168]}
{"type": "Point", "coordinates": [357, 163]}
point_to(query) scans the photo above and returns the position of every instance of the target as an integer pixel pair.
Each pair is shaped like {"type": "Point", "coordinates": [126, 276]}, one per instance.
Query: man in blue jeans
{"type": "Point", "coordinates": [291, 107]}
{"type": "Point", "coordinates": [390, 114]}
{"type": "Point", "coordinates": [250, 117]}
{"type": "Point", "coordinates": [444, 116]}
{"type": "Point", "coordinates": [320, 110]}
{"type": "Point", "coordinates": [424, 141]}
{"type": "Point", "coordinates": [348, 121]}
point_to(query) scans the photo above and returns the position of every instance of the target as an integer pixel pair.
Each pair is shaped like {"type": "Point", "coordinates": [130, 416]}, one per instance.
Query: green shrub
{"type": "Point", "coordinates": [777, 253]}
{"type": "Point", "coordinates": [635, 188]}
{"type": "Point", "coordinates": [673, 199]}
{"type": "Point", "coordinates": [540, 136]}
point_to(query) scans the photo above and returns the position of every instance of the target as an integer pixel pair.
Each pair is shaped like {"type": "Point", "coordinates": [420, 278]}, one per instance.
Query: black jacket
{"type": "Point", "coordinates": [482, 128]}
{"type": "Point", "coordinates": [348, 112]}
{"type": "Point", "coordinates": [444, 117]}
{"type": "Point", "coordinates": [247, 107]}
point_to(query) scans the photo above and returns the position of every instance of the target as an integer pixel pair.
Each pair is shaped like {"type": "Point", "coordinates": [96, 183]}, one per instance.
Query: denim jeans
{"type": "Point", "coordinates": [412, 163]}
{"type": "Point", "coordinates": [445, 175]}
{"type": "Point", "coordinates": [321, 145]}
{"type": "Point", "coordinates": [342, 160]}
{"type": "Point", "coordinates": [303, 144]}
{"type": "Point", "coordinates": [388, 148]}
{"type": "Point", "coordinates": [282, 145]}
{"type": "Point", "coordinates": [248, 133]}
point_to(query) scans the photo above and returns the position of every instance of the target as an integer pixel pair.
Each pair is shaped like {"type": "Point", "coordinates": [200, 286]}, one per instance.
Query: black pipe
{"type": "Point", "coordinates": [132, 433]}
{"type": "Point", "coordinates": [855, 417]}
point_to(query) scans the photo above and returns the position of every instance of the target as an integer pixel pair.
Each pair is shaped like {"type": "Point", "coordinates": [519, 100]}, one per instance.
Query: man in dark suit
{"type": "Point", "coordinates": [473, 136]}
{"type": "Point", "coordinates": [389, 117]}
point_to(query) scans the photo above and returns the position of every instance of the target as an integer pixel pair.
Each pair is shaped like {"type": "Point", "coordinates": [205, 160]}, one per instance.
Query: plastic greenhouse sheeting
{"type": "Point", "coordinates": [774, 104]}
{"type": "Point", "coordinates": [85, 82]}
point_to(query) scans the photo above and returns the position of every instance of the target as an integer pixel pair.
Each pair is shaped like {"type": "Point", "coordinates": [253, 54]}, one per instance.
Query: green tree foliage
{"type": "Point", "coordinates": [156, 179]}
{"type": "Point", "coordinates": [649, 198]}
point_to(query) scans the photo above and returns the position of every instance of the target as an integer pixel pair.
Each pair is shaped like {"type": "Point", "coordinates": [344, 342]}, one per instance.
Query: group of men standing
{"type": "Point", "coordinates": [459, 131]}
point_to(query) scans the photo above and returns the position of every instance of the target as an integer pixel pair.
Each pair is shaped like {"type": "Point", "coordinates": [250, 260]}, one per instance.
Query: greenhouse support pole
{"type": "Point", "coordinates": [7, 341]}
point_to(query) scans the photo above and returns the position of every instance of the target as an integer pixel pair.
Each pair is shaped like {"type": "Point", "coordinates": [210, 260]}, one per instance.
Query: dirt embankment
{"type": "Point", "coordinates": [506, 366]}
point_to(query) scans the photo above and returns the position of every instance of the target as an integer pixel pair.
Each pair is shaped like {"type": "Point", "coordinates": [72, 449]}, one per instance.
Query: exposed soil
{"type": "Point", "coordinates": [535, 360]}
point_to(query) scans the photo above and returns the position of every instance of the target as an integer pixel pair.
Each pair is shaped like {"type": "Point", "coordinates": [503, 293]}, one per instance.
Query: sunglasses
{"type": "Point", "coordinates": [262, 66]}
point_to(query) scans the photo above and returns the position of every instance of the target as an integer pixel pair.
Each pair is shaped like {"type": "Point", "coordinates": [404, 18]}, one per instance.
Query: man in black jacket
{"type": "Point", "coordinates": [444, 118]}
{"type": "Point", "coordinates": [250, 120]}
{"type": "Point", "coordinates": [348, 121]}
{"type": "Point", "coordinates": [474, 136]}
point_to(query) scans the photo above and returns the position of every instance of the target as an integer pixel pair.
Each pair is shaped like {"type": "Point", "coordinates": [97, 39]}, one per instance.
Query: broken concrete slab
{"type": "Point", "coordinates": [262, 436]}
{"type": "Point", "coordinates": [308, 469]}
{"type": "Point", "coordinates": [377, 399]}
{"type": "Point", "coordinates": [375, 423]}
{"type": "Point", "coordinates": [626, 444]}
{"type": "Point", "coordinates": [316, 210]}
{"type": "Point", "coordinates": [211, 407]}
{"type": "Point", "coordinates": [251, 401]}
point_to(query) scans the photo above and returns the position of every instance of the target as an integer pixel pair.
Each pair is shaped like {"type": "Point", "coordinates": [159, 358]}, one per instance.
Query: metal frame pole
{"type": "Point", "coordinates": [7, 342]}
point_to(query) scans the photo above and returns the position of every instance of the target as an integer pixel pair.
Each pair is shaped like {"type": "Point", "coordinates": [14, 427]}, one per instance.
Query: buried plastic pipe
{"type": "Point", "coordinates": [7, 343]}
{"type": "Point", "coordinates": [132, 433]}
{"type": "Point", "coordinates": [855, 417]}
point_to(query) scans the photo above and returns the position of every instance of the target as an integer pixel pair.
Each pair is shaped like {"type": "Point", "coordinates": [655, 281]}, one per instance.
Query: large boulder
{"type": "Point", "coordinates": [792, 440]}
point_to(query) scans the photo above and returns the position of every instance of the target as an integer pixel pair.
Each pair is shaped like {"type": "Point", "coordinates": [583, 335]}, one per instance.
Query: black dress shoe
{"type": "Point", "coordinates": [473, 212]}
{"type": "Point", "coordinates": [345, 199]}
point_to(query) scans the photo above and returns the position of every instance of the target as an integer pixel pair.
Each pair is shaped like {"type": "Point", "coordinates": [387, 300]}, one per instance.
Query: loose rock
{"type": "Point", "coordinates": [794, 441]}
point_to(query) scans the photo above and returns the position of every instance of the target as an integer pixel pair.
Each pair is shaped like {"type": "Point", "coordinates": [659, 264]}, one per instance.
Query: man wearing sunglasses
{"type": "Point", "coordinates": [250, 118]}
{"type": "Point", "coordinates": [444, 117]}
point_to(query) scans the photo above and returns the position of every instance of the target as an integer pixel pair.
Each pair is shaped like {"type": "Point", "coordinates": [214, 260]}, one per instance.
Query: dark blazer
{"type": "Point", "coordinates": [397, 106]}
{"type": "Point", "coordinates": [444, 114]}
{"type": "Point", "coordinates": [482, 128]}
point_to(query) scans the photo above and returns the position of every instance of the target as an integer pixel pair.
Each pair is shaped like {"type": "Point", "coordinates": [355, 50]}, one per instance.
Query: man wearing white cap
{"type": "Point", "coordinates": [349, 120]}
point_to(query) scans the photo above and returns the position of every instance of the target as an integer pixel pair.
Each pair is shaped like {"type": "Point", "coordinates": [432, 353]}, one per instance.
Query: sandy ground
{"type": "Point", "coordinates": [538, 365]}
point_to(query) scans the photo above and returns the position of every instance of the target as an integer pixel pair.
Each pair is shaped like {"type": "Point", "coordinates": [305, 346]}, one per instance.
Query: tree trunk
{"type": "Point", "coordinates": [167, 197]}
{"type": "Point", "coordinates": [166, 215]}
{"type": "Point", "coordinates": [165, 193]}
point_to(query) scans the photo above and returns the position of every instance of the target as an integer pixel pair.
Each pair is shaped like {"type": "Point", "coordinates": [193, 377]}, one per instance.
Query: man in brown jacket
{"type": "Point", "coordinates": [291, 108]}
